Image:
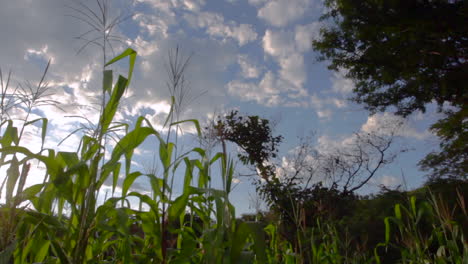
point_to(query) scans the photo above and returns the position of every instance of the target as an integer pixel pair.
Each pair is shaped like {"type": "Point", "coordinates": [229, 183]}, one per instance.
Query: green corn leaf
{"type": "Point", "coordinates": [43, 250]}
{"type": "Point", "coordinates": [146, 199]}
{"type": "Point", "coordinates": [194, 121]}
{"type": "Point", "coordinates": [165, 155]}
{"type": "Point", "coordinates": [67, 159]}
{"type": "Point", "coordinates": [240, 238]}
{"type": "Point", "coordinates": [89, 147]}
{"type": "Point", "coordinates": [259, 241]}
{"type": "Point", "coordinates": [129, 179]}
{"type": "Point", "coordinates": [59, 251]}
{"type": "Point", "coordinates": [107, 81]}
{"type": "Point", "coordinates": [157, 186]}
{"type": "Point", "coordinates": [28, 193]}
{"type": "Point", "coordinates": [177, 208]}
{"type": "Point", "coordinates": [398, 211]}
{"type": "Point", "coordinates": [200, 151]}
{"type": "Point", "coordinates": [216, 157]}
{"type": "Point", "coordinates": [188, 173]}
{"type": "Point", "coordinates": [387, 229]}
{"type": "Point", "coordinates": [376, 253]}
{"type": "Point", "coordinates": [115, 177]}
{"type": "Point", "coordinates": [171, 111]}
{"type": "Point", "coordinates": [44, 128]}
{"type": "Point", "coordinates": [139, 123]}
{"type": "Point", "coordinates": [13, 174]}
{"type": "Point", "coordinates": [10, 135]}
{"type": "Point", "coordinates": [413, 205]}
{"type": "Point", "coordinates": [132, 57]}
{"type": "Point", "coordinates": [128, 143]}
{"type": "Point", "coordinates": [113, 103]}
{"type": "Point", "coordinates": [52, 166]}
{"type": "Point", "coordinates": [113, 169]}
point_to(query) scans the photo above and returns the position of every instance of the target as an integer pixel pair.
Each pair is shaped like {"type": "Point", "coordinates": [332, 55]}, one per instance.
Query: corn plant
{"type": "Point", "coordinates": [64, 223]}
{"type": "Point", "coordinates": [25, 98]}
{"type": "Point", "coordinates": [427, 232]}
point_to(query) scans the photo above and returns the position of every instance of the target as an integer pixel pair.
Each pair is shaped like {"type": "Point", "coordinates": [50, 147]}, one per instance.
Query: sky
{"type": "Point", "coordinates": [253, 56]}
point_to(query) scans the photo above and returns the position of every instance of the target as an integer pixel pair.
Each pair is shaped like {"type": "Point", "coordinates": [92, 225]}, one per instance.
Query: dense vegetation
{"type": "Point", "coordinates": [402, 56]}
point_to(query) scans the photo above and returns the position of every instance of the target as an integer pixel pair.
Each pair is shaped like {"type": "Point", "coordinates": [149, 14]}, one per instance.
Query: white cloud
{"type": "Point", "coordinates": [153, 25]}
{"type": "Point", "coordinates": [215, 26]}
{"type": "Point", "coordinates": [302, 161]}
{"type": "Point", "coordinates": [209, 60]}
{"type": "Point", "coordinates": [248, 69]}
{"type": "Point", "coordinates": [41, 53]}
{"type": "Point", "coordinates": [387, 123]}
{"type": "Point", "coordinates": [257, 2]}
{"type": "Point", "coordinates": [167, 6]}
{"type": "Point", "coordinates": [293, 70]}
{"type": "Point", "coordinates": [304, 34]}
{"type": "Point", "coordinates": [193, 5]}
{"type": "Point", "coordinates": [269, 91]}
{"type": "Point", "coordinates": [282, 12]}
{"type": "Point", "coordinates": [286, 47]}
{"type": "Point", "coordinates": [248, 91]}
{"type": "Point", "coordinates": [278, 43]}
{"type": "Point", "coordinates": [341, 84]}
{"type": "Point", "coordinates": [145, 48]}
{"type": "Point", "coordinates": [281, 45]}
{"type": "Point", "coordinates": [387, 181]}
{"type": "Point", "coordinates": [243, 33]}
{"type": "Point", "coordinates": [323, 105]}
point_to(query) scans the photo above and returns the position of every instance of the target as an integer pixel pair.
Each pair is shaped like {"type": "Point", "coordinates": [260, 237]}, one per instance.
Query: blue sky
{"type": "Point", "coordinates": [251, 55]}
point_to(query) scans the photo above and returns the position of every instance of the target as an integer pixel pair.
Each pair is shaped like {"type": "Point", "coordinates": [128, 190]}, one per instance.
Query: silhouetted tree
{"type": "Point", "coordinates": [404, 55]}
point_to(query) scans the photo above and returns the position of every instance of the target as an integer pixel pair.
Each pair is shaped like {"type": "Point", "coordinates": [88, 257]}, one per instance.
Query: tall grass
{"type": "Point", "coordinates": [64, 223]}
{"type": "Point", "coordinates": [426, 231]}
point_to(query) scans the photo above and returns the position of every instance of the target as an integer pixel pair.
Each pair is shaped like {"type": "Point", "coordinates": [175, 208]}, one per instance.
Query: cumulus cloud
{"type": "Point", "coordinates": [278, 43]}
{"type": "Point", "coordinates": [324, 106]}
{"type": "Point", "coordinates": [385, 124]}
{"type": "Point", "coordinates": [145, 48]}
{"type": "Point", "coordinates": [281, 45]}
{"type": "Point", "coordinates": [287, 47]}
{"type": "Point", "coordinates": [46, 32]}
{"type": "Point", "coordinates": [154, 25]}
{"type": "Point", "coordinates": [282, 12]}
{"type": "Point", "coordinates": [216, 27]}
{"type": "Point", "coordinates": [249, 91]}
{"type": "Point", "coordinates": [248, 69]}
{"type": "Point", "coordinates": [293, 71]}
{"type": "Point", "coordinates": [305, 34]}
{"type": "Point", "coordinates": [269, 91]}
{"type": "Point", "coordinates": [341, 84]}
{"type": "Point", "coordinates": [168, 6]}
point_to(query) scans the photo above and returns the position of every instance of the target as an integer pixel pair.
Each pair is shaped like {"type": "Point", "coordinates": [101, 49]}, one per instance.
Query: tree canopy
{"type": "Point", "coordinates": [254, 136]}
{"type": "Point", "coordinates": [403, 55]}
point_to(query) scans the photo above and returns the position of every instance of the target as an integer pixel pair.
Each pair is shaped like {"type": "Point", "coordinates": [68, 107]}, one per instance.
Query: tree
{"type": "Point", "coordinates": [253, 135]}
{"type": "Point", "coordinates": [404, 55]}
{"type": "Point", "coordinates": [451, 162]}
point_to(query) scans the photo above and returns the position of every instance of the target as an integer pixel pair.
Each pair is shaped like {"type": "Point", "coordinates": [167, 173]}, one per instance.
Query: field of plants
{"type": "Point", "coordinates": [61, 221]}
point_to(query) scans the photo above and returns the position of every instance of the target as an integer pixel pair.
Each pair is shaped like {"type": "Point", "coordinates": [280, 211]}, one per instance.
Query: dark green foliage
{"type": "Point", "coordinates": [254, 135]}
{"type": "Point", "coordinates": [404, 55]}
{"type": "Point", "coordinates": [357, 223]}
{"type": "Point", "coordinates": [401, 53]}
{"type": "Point", "coordinates": [452, 160]}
